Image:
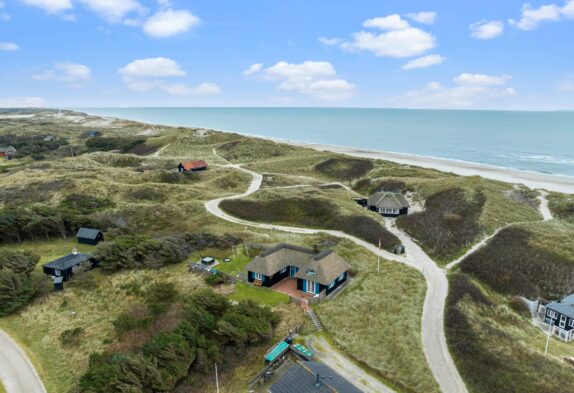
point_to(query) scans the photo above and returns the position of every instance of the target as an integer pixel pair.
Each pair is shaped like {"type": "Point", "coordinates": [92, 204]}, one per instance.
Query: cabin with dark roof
{"type": "Point", "coordinates": [63, 268]}
{"type": "Point", "coordinates": [559, 316]}
{"type": "Point", "coordinates": [387, 203]}
{"type": "Point", "coordinates": [89, 236]}
{"type": "Point", "coordinates": [314, 272]}
{"type": "Point", "coordinates": [93, 133]}
{"type": "Point", "coordinates": [192, 166]}
{"type": "Point", "coordinates": [8, 151]}
{"type": "Point", "coordinates": [311, 377]}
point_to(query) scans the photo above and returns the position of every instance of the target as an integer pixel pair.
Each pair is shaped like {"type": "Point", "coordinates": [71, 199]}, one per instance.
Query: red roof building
{"type": "Point", "coordinates": [197, 165]}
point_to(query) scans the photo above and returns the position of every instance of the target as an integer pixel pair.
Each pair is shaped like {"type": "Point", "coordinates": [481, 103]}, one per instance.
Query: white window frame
{"type": "Point", "coordinates": [258, 276]}
{"type": "Point", "coordinates": [571, 322]}
{"type": "Point", "coordinates": [283, 270]}
{"type": "Point", "coordinates": [310, 285]}
{"type": "Point", "coordinates": [341, 276]}
{"type": "Point", "coordinates": [562, 321]}
{"type": "Point", "coordinates": [332, 284]}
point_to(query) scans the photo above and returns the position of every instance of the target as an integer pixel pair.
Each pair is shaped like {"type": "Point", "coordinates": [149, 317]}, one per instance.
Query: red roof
{"type": "Point", "coordinates": [191, 165]}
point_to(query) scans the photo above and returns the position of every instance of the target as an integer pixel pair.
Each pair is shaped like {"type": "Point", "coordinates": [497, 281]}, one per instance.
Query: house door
{"type": "Point", "coordinates": [310, 287]}
{"type": "Point", "coordinates": [562, 321]}
{"type": "Point", "coordinates": [293, 270]}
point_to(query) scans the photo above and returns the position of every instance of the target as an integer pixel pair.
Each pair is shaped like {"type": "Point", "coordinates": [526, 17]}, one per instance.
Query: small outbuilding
{"type": "Point", "coordinates": [8, 152]}
{"type": "Point", "coordinates": [89, 236]}
{"type": "Point", "coordinates": [192, 166]}
{"type": "Point", "coordinates": [93, 133]}
{"type": "Point", "coordinates": [64, 267]}
{"type": "Point", "coordinates": [388, 204]}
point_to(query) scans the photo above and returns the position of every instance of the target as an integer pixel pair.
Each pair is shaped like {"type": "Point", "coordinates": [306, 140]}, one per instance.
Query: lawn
{"type": "Point", "coordinates": [244, 291]}
{"type": "Point", "coordinates": [49, 250]}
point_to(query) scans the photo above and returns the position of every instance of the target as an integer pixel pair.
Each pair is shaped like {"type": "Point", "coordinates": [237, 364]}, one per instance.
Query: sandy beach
{"type": "Point", "coordinates": [533, 180]}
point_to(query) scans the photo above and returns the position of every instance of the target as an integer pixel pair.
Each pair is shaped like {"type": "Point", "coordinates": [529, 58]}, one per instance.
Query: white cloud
{"type": "Point", "coordinates": [470, 90]}
{"type": "Point", "coordinates": [145, 75]}
{"type": "Point", "coordinates": [566, 86]}
{"type": "Point", "coordinates": [427, 18]}
{"type": "Point", "coordinates": [398, 43]}
{"type": "Point", "coordinates": [487, 30]}
{"type": "Point", "coordinates": [8, 46]}
{"type": "Point", "coordinates": [391, 22]}
{"type": "Point", "coordinates": [481, 79]}
{"type": "Point", "coordinates": [253, 69]}
{"type": "Point", "coordinates": [158, 67]}
{"type": "Point", "coordinates": [50, 6]}
{"type": "Point", "coordinates": [167, 23]}
{"type": "Point", "coordinates": [317, 79]}
{"type": "Point", "coordinates": [4, 15]}
{"type": "Point", "coordinates": [423, 62]}
{"type": "Point", "coordinates": [530, 17]}
{"type": "Point", "coordinates": [398, 39]}
{"type": "Point", "coordinates": [22, 102]}
{"type": "Point", "coordinates": [71, 73]}
{"type": "Point", "coordinates": [330, 41]}
{"type": "Point", "coordinates": [205, 88]}
{"type": "Point", "coordinates": [113, 11]}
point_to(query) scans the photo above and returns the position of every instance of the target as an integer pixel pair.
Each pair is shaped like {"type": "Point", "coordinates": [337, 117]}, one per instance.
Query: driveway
{"type": "Point", "coordinates": [16, 372]}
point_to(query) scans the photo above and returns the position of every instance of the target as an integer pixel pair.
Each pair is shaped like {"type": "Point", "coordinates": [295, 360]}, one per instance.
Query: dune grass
{"type": "Point", "coordinates": [2, 390]}
{"type": "Point", "coordinates": [497, 349]}
{"type": "Point", "coordinates": [49, 250]}
{"type": "Point", "coordinates": [377, 321]}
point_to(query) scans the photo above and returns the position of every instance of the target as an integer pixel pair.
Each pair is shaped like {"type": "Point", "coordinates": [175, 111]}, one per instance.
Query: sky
{"type": "Point", "coordinates": [435, 54]}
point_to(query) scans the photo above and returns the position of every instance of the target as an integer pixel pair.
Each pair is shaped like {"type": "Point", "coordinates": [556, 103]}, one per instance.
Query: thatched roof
{"type": "Point", "coordinates": [326, 265]}
{"type": "Point", "coordinates": [388, 200]}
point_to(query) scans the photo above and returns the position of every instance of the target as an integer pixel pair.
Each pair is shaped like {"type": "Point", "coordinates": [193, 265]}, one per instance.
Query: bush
{"type": "Point", "coordinates": [113, 143]}
{"type": "Point", "coordinates": [159, 296]}
{"type": "Point", "coordinates": [71, 337]}
{"type": "Point", "coordinates": [214, 279]}
{"type": "Point", "coordinates": [85, 204]}
{"type": "Point", "coordinates": [136, 318]}
{"type": "Point", "coordinates": [518, 305]}
{"type": "Point", "coordinates": [345, 168]}
{"type": "Point", "coordinates": [449, 224]}
{"type": "Point", "coordinates": [147, 194]}
{"type": "Point", "coordinates": [19, 283]}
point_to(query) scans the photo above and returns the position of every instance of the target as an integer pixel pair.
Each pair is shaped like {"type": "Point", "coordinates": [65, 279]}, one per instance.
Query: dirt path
{"type": "Point", "coordinates": [433, 336]}
{"type": "Point", "coordinates": [17, 372]}
{"type": "Point", "coordinates": [345, 367]}
{"type": "Point", "coordinates": [543, 207]}
{"type": "Point", "coordinates": [157, 153]}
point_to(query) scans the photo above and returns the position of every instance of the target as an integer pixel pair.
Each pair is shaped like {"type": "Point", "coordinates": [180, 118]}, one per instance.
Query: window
{"type": "Point", "coordinates": [562, 321]}
{"type": "Point", "coordinates": [258, 276]}
{"type": "Point", "coordinates": [572, 322]}
{"type": "Point", "coordinates": [284, 269]}
{"type": "Point", "coordinates": [311, 272]}
{"type": "Point", "coordinates": [341, 276]}
{"type": "Point", "coordinates": [332, 284]}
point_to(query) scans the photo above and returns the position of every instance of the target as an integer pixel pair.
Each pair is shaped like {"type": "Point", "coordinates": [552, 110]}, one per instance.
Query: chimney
{"type": "Point", "coordinates": [74, 251]}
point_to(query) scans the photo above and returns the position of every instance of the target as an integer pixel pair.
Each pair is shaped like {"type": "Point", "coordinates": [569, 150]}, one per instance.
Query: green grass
{"type": "Point", "coordinates": [2, 390]}
{"type": "Point", "coordinates": [235, 266]}
{"type": "Point", "coordinates": [245, 291]}
{"type": "Point", "coordinates": [49, 250]}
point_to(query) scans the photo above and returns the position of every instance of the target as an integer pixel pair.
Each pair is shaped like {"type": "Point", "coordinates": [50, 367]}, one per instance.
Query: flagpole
{"type": "Point", "coordinates": [216, 378]}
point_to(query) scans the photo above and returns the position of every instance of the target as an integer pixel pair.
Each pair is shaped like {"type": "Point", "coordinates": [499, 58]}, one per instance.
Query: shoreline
{"type": "Point", "coordinates": [534, 180]}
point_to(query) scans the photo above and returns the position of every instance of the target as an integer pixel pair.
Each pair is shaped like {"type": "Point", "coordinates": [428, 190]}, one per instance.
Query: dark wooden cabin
{"type": "Point", "coordinates": [89, 236]}
{"type": "Point", "coordinates": [560, 315]}
{"type": "Point", "coordinates": [65, 266]}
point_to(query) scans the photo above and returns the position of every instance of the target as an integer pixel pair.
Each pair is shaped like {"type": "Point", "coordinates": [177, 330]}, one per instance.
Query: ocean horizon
{"type": "Point", "coordinates": [540, 142]}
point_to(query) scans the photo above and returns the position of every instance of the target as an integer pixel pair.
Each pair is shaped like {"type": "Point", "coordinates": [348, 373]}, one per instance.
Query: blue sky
{"type": "Point", "coordinates": [365, 53]}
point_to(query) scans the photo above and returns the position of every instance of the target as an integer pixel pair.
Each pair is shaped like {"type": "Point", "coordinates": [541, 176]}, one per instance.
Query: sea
{"type": "Point", "coordinates": [531, 141]}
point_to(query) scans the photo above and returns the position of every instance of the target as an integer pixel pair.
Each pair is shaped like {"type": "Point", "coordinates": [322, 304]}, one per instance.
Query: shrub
{"type": "Point", "coordinates": [345, 168]}
{"type": "Point", "coordinates": [136, 318]}
{"type": "Point", "coordinates": [214, 279]}
{"type": "Point", "coordinates": [85, 204]}
{"type": "Point", "coordinates": [147, 194]}
{"type": "Point", "coordinates": [449, 223]}
{"type": "Point", "coordinates": [518, 305]}
{"type": "Point", "coordinates": [123, 144]}
{"type": "Point", "coordinates": [71, 337]}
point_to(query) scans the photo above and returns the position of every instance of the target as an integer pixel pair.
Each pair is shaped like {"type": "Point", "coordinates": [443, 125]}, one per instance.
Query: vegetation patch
{"type": "Point", "coordinates": [19, 283]}
{"type": "Point", "coordinates": [139, 252]}
{"type": "Point", "coordinates": [562, 206]}
{"type": "Point", "coordinates": [34, 146]}
{"type": "Point", "coordinates": [498, 350]}
{"type": "Point", "coordinates": [449, 223]}
{"type": "Point", "coordinates": [369, 186]}
{"type": "Point", "coordinates": [516, 262]}
{"type": "Point", "coordinates": [345, 168]}
{"type": "Point", "coordinates": [316, 213]}
{"type": "Point", "coordinates": [207, 328]}
{"type": "Point", "coordinates": [265, 296]}
{"type": "Point", "coordinates": [253, 149]}
{"type": "Point", "coordinates": [122, 144]}
{"type": "Point", "coordinates": [380, 326]}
